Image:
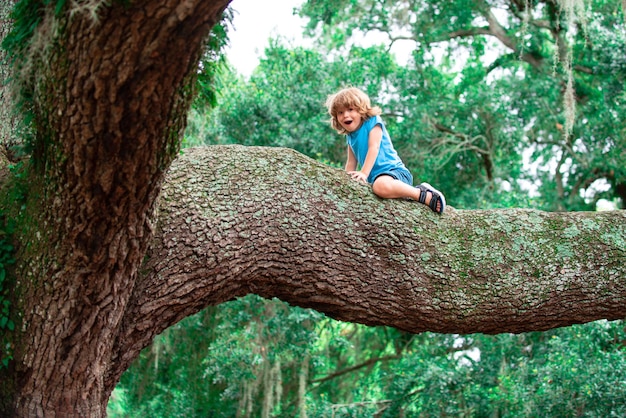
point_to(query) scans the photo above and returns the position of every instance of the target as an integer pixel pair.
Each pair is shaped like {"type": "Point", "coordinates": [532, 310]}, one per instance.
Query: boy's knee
{"type": "Point", "coordinates": [381, 187]}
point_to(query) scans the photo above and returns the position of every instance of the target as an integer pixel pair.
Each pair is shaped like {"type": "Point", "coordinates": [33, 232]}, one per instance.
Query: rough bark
{"type": "Point", "coordinates": [7, 117]}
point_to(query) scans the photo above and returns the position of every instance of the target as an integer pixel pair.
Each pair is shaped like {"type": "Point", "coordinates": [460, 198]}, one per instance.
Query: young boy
{"type": "Point", "coordinates": [370, 147]}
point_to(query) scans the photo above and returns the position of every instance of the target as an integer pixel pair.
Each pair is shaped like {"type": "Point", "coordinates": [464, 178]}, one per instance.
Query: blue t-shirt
{"type": "Point", "coordinates": [387, 158]}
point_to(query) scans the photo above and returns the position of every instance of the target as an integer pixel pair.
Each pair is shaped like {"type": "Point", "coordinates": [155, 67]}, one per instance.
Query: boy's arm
{"type": "Point", "coordinates": [351, 161]}
{"type": "Point", "coordinates": [373, 146]}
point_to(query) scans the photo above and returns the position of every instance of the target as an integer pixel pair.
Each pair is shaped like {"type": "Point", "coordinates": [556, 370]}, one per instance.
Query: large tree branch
{"type": "Point", "coordinates": [359, 366]}
{"type": "Point", "coordinates": [497, 32]}
{"type": "Point", "coordinates": [236, 220]}
{"type": "Point", "coordinates": [495, 29]}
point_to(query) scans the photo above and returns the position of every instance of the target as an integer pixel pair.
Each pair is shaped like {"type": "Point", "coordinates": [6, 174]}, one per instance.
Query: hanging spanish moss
{"type": "Point", "coordinates": [303, 377]}
{"type": "Point", "coordinates": [526, 19]}
{"type": "Point", "coordinates": [574, 10]}
{"type": "Point", "coordinates": [90, 8]}
{"type": "Point", "coordinates": [569, 101]}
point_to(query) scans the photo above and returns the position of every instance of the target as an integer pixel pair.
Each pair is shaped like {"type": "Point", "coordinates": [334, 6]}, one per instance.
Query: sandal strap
{"type": "Point", "coordinates": [436, 198]}
{"type": "Point", "coordinates": [423, 191]}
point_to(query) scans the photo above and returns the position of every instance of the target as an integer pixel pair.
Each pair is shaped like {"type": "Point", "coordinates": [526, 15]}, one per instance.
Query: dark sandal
{"type": "Point", "coordinates": [437, 197]}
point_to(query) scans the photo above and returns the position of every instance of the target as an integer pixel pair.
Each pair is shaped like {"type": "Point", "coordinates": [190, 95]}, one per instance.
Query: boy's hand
{"type": "Point", "coordinates": [358, 176]}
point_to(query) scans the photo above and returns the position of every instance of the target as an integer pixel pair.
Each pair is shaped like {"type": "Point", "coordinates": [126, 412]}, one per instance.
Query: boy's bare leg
{"type": "Point", "coordinates": [389, 188]}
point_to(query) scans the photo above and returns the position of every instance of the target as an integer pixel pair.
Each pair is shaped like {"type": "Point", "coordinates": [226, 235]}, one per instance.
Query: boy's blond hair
{"type": "Point", "coordinates": [350, 97]}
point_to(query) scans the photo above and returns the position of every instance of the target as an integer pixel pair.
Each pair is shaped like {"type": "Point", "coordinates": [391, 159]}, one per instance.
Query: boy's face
{"type": "Point", "coordinates": [349, 118]}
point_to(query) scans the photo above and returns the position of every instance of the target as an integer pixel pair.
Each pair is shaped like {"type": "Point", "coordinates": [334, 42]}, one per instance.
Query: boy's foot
{"type": "Point", "coordinates": [437, 201]}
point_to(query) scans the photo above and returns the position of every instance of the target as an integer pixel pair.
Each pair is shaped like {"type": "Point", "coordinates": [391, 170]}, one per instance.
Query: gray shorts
{"type": "Point", "coordinates": [400, 173]}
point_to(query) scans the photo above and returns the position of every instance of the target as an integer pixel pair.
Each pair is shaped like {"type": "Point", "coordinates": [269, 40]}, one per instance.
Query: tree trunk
{"type": "Point", "coordinates": [110, 104]}
{"type": "Point", "coordinates": [110, 99]}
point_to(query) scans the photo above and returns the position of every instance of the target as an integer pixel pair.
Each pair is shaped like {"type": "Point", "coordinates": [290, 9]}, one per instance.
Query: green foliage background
{"type": "Point", "coordinates": [6, 260]}
{"type": "Point", "coordinates": [488, 132]}
{"type": "Point", "coordinates": [14, 193]}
